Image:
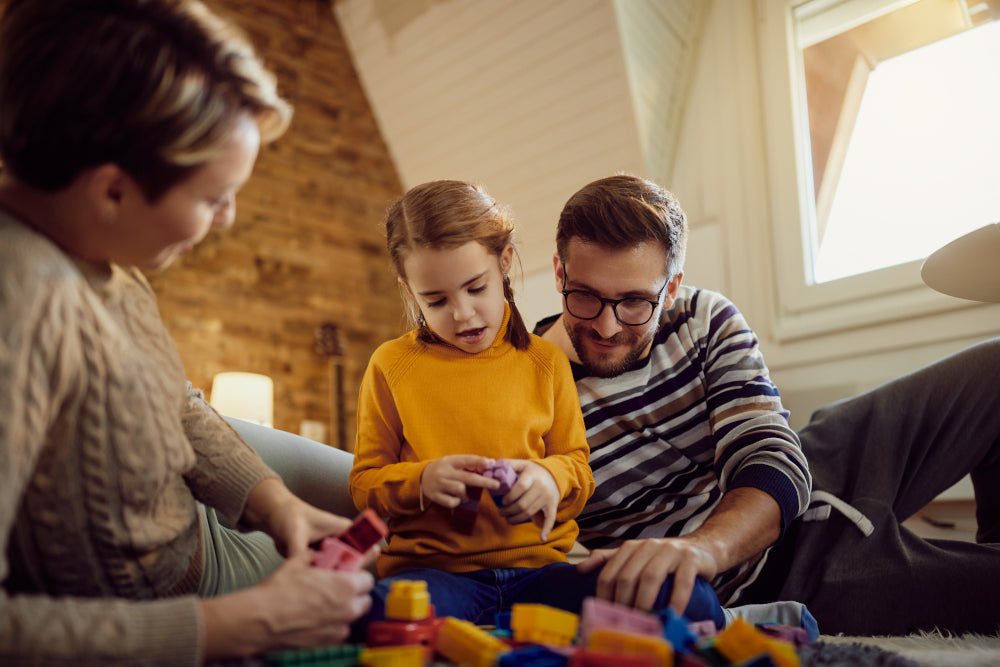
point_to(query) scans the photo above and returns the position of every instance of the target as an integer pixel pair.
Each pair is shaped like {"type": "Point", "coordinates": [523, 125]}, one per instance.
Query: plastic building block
{"type": "Point", "coordinates": [541, 624]}
{"type": "Point", "coordinates": [408, 601]}
{"type": "Point", "coordinates": [421, 633]}
{"type": "Point", "coordinates": [344, 655]}
{"type": "Point", "coordinates": [502, 620]}
{"type": "Point", "coordinates": [597, 613]}
{"type": "Point", "coordinates": [366, 531]}
{"type": "Point", "coordinates": [463, 517]}
{"type": "Point", "coordinates": [690, 660]}
{"type": "Point", "coordinates": [503, 473]}
{"type": "Point", "coordinates": [465, 644]}
{"type": "Point", "coordinates": [616, 641]}
{"type": "Point", "coordinates": [335, 555]}
{"type": "Point", "coordinates": [533, 656]}
{"type": "Point", "coordinates": [788, 633]}
{"type": "Point", "coordinates": [393, 656]}
{"type": "Point", "coordinates": [677, 630]}
{"type": "Point", "coordinates": [703, 628]}
{"type": "Point", "coordinates": [741, 641]}
{"type": "Point", "coordinates": [590, 658]}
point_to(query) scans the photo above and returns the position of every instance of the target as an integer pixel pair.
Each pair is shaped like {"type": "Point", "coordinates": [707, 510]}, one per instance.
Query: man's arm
{"type": "Point", "coordinates": [745, 522]}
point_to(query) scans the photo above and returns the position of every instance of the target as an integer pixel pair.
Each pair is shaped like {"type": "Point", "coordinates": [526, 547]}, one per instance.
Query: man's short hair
{"type": "Point", "coordinates": [154, 86]}
{"type": "Point", "coordinates": [623, 211]}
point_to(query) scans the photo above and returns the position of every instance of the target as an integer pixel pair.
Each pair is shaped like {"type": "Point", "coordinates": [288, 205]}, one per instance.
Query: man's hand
{"type": "Point", "coordinates": [535, 496]}
{"type": "Point", "coordinates": [634, 572]}
{"type": "Point", "coordinates": [745, 522]}
{"type": "Point", "coordinates": [444, 480]}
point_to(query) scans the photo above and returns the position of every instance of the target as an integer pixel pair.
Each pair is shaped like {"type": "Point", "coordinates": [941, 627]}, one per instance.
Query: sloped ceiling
{"type": "Point", "coordinates": [532, 98]}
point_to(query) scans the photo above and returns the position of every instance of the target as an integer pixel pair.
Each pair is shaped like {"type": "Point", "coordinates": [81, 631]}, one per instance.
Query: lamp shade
{"type": "Point", "coordinates": [968, 267]}
{"type": "Point", "coordinates": [248, 396]}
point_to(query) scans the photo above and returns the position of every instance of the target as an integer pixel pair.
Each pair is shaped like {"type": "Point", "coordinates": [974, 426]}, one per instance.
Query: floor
{"type": "Point", "coordinates": [946, 519]}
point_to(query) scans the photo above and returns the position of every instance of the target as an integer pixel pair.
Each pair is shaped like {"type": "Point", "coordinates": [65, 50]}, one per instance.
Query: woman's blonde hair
{"type": "Point", "coordinates": [449, 214]}
{"type": "Point", "coordinates": [154, 86]}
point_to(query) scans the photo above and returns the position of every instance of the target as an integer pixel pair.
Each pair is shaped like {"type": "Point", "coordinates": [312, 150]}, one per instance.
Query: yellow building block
{"type": "Point", "coordinates": [393, 656]}
{"type": "Point", "coordinates": [408, 601]}
{"type": "Point", "coordinates": [465, 644]}
{"type": "Point", "coordinates": [542, 624]}
{"type": "Point", "coordinates": [609, 640]}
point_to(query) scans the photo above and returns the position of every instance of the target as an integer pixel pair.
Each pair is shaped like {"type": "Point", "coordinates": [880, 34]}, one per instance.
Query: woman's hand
{"type": "Point", "coordinates": [444, 480]}
{"type": "Point", "coordinates": [291, 522]}
{"type": "Point", "coordinates": [535, 496]}
{"type": "Point", "coordinates": [297, 606]}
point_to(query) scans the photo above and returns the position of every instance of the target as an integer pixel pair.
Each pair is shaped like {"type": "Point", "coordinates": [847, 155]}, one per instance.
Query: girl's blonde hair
{"type": "Point", "coordinates": [448, 214]}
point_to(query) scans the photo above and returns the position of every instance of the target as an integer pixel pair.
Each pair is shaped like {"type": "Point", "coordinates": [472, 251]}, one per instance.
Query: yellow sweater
{"type": "Point", "coordinates": [421, 401]}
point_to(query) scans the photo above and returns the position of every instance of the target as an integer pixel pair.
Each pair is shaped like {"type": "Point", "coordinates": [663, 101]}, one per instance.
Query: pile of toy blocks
{"type": "Point", "coordinates": [604, 634]}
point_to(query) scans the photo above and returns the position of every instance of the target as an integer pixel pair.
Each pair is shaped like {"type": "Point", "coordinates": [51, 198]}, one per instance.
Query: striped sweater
{"type": "Point", "coordinates": [696, 417]}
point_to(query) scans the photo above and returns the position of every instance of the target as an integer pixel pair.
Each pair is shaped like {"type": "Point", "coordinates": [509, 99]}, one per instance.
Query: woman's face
{"type": "Point", "coordinates": [151, 236]}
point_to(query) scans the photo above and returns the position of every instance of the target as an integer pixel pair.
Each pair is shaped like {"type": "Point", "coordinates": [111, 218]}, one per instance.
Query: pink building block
{"type": "Point", "coordinates": [335, 555]}
{"type": "Point", "coordinates": [599, 613]}
{"type": "Point", "coordinates": [503, 473]}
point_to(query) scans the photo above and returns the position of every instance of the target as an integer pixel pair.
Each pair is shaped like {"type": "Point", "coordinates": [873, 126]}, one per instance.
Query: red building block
{"type": "Point", "coordinates": [589, 658]}
{"type": "Point", "coordinates": [406, 633]}
{"type": "Point", "coordinates": [463, 517]}
{"type": "Point", "coordinates": [366, 531]}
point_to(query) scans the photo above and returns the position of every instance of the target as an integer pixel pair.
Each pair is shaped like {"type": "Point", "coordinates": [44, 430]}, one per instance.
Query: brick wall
{"type": "Point", "coordinates": [306, 247]}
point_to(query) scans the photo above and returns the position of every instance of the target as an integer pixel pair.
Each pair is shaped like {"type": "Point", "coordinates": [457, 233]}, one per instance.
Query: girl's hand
{"type": "Point", "coordinates": [534, 496]}
{"type": "Point", "coordinates": [444, 480]}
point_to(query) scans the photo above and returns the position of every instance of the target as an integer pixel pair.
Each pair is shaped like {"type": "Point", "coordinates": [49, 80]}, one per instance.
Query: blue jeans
{"type": "Point", "coordinates": [478, 596]}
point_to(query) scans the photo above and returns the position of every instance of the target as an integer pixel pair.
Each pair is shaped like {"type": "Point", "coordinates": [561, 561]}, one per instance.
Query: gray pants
{"type": "Point", "coordinates": [233, 560]}
{"type": "Point", "coordinates": [888, 453]}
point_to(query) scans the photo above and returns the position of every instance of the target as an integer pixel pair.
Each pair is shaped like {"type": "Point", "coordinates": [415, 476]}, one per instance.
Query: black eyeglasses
{"type": "Point", "coordinates": [631, 311]}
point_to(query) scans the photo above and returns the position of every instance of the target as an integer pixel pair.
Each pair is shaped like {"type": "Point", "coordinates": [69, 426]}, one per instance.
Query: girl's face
{"type": "Point", "coordinates": [460, 292]}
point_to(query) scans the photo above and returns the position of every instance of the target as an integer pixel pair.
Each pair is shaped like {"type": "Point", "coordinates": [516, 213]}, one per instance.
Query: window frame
{"type": "Point", "coordinates": [806, 309]}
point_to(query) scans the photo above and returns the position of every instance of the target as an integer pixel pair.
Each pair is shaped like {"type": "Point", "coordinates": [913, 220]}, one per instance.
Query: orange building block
{"type": "Point", "coordinates": [607, 640]}
{"type": "Point", "coordinates": [741, 641]}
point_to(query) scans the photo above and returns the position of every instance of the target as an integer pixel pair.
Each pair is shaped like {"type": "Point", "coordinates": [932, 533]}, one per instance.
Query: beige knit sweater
{"type": "Point", "coordinates": [104, 449]}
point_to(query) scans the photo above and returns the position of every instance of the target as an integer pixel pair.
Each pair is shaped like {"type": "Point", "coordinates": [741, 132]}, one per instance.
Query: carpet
{"type": "Point", "coordinates": [928, 649]}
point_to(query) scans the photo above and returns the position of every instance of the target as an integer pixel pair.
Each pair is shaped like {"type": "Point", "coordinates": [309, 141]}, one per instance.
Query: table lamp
{"type": "Point", "coordinates": [247, 396]}
{"type": "Point", "coordinates": [968, 267]}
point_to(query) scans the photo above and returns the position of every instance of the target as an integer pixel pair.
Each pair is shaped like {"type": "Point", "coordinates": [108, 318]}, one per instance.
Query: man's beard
{"type": "Point", "coordinates": [600, 365]}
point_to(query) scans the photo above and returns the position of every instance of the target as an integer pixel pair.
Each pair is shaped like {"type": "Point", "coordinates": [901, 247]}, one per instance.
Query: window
{"type": "Point", "coordinates": [902, 113]}
{"type": "Point", "coordinates": [831, 77]}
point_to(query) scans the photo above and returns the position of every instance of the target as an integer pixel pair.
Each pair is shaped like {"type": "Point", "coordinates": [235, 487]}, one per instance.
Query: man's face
{"type": "Point", "coordinates": [605, 346]}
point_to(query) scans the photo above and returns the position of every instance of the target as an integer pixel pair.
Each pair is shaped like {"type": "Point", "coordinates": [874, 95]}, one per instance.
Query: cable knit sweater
{"type": "Point", "coordinates": [104, 449]}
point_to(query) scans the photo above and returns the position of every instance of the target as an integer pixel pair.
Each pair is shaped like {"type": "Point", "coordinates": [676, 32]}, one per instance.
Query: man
{"type": "Point", "coordinates": [698, 472]}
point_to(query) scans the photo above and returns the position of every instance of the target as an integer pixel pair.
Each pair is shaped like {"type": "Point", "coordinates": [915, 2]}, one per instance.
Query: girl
{"type": "Point", "coordinates": [467, 386]}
